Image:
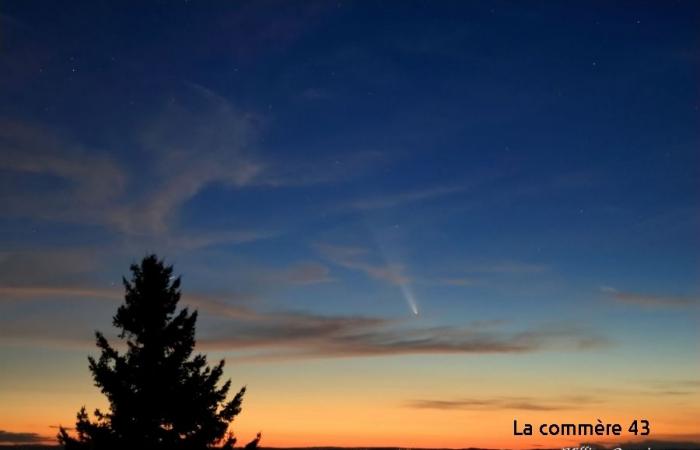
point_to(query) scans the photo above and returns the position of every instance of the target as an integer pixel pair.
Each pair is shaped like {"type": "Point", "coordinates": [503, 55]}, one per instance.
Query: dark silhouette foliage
{"type": "Point", "coordinates": [161, 396]}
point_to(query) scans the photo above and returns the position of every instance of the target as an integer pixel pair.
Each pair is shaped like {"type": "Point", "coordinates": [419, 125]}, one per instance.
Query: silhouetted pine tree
{"type": "Point", "coordinates": [160, 395]}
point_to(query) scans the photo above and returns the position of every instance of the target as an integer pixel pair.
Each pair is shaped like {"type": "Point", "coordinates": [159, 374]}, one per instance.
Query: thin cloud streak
{"type": "Point", "coordinates": [42, 267]}
{"type": "Point", "coordinates": [13, 437]}
{"type": "Point", "coordinates": [507, 267]}
{"type": "Point", "coordinates": [651, 301]}
{"type": "Point", "coordinates": [291, 334]}
{"type": "Point", "coordinates": [354, 258]}
{"type": "Point", "coordinates": [93, 180]}
{"type": "Point", "coordinates": [501, 403]}
{"type": "Point", "coordinates": [215, 305]}
{"type": "Point", "coordinates": [303, 273]}
{"type": "Point", "coordinates": [366, 336]}
{"type": "Point", "coordinates": [45, 292]}
{"type": "Point", "coordinates": [402, 198]}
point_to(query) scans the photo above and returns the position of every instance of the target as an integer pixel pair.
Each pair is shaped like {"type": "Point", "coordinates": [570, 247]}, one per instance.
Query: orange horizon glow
{"type": "Point", "coordinates": [341, 416]}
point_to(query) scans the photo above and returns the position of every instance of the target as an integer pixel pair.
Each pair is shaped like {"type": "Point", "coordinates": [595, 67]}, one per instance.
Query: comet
{"type": "Point", "coordinates": [410, 299]}
{"type": "Point", "coordinates": [398, 278]}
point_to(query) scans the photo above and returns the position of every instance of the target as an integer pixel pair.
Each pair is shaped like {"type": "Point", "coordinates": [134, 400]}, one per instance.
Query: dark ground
{"type": "Point", "coordinates": [654, 445]}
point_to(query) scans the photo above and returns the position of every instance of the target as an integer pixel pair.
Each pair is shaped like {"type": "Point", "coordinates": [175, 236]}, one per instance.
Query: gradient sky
{"type": "Point", "coordinates": [403, 223]}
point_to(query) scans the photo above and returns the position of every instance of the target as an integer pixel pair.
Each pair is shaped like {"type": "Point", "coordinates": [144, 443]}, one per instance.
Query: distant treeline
{"type": "Point", "coordinates": [626, 446]}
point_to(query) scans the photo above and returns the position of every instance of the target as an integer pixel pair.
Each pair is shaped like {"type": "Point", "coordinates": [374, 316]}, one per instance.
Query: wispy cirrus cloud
{"type": "Point", "coordinates": [69, 181]}
{"type": "Point", "coordinates": [357, 258]}
{"type": "Point", "coordinates": [51, 178]}
{"type": "Point", "coordinates": [361, 259]}
{"type": "Point", "coordinates": [185, 240]}
{"type": "Point", "coordinates": [651, 300]}
{"type": "Point", "coordinates": [204, 140]}
{"type": "Point", "coordinates": [196, 141]}
{"type": "Point", "coordinates": [200, 140]}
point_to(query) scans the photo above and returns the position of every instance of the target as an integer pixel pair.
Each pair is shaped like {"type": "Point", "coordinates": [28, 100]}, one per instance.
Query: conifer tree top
{"type": "Point", "coordinates": [160, 395]}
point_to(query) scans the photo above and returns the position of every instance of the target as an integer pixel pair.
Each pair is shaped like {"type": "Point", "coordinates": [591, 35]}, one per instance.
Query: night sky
{"type": "Point", "coordinates": [448, 214]}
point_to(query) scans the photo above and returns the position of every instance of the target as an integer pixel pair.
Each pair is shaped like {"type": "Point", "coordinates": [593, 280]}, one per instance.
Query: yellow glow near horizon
{"type": "Point", "coordinates": [326, 403]}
